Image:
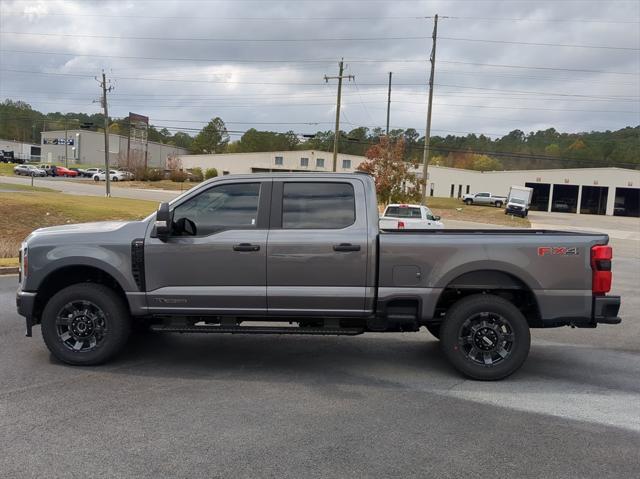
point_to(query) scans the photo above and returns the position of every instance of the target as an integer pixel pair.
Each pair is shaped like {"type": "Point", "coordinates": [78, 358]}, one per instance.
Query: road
{"type": "Point", "coordinates": [84, 188]}
{"type": "Point", "coordinates": [367, 406]}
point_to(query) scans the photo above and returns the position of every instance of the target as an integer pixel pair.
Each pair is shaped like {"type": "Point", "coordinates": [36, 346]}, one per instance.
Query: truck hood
{"type": "Point", "coordinates": [91, 233]}
{"type": "Point", "coordinates": [96, 227]}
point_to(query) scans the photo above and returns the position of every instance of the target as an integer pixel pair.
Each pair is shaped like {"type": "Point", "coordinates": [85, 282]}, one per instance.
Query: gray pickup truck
{"type": "Point", "coordinates": [302, 254]}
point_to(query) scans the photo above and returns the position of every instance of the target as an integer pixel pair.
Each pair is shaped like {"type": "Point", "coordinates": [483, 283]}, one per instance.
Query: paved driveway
{"type": "Point", "coordinates": [369, 406]}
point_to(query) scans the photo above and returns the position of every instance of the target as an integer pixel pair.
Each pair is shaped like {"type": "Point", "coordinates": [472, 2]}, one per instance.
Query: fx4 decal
{"type": "Point", "coordinates": [557, 251]}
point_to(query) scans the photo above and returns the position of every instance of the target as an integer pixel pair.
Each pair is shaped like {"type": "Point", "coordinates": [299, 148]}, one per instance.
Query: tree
{"type": "Point", "coordinates": [213, 138]}
{"type": "Point", "coordinates": [393, 177]}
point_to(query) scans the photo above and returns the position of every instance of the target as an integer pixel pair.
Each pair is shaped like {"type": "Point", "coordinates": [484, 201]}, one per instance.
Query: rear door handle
{"type": "Point", "coordinates": [246, 247]}
{"type": "Point", "coordinates": [346, 247]}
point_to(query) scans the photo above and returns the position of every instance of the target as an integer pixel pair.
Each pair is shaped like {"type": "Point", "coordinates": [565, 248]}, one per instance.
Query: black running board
{"type": "Point", "coordinates": [257, 330]}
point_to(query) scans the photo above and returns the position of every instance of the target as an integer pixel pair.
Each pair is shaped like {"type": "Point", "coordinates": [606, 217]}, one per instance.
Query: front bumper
{"type": "Point", "coordinates": [25, 302]}
{"type": "Point", "coordinates": [515, 210]}
{"type": "Point", "coordinates": [605, 310]}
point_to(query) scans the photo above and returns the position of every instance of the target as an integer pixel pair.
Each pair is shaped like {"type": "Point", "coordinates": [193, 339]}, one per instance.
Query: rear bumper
{"type": "Point", "coordinates": [605, 310]}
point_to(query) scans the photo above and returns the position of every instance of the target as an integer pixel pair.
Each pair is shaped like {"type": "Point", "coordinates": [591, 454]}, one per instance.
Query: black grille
{"type": "Point", "coordinates": [137, 263]}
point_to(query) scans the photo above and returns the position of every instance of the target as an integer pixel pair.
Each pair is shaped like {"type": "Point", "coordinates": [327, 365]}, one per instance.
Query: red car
{"type": "Point", "coordinates": [62, 171]}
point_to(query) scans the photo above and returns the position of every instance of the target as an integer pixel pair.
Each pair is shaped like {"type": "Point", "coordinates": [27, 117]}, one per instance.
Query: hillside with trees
{"type": "Point", "coordinates": [515, 150]}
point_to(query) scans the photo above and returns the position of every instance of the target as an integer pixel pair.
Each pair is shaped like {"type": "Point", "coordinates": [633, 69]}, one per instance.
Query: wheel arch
{"type": "Point", "coordinates": [497, 282]}
{"type": "Point", "coordinates": [65, 276]}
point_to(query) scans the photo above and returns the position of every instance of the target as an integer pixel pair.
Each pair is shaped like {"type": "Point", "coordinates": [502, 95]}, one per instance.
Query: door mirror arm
{"type": "Point", "coordinates": [162, 227]}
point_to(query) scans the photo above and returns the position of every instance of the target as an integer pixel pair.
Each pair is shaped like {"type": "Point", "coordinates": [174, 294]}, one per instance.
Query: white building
{"type": "Point", "coordinates": [610, 191]}
{"type": "Point", "coordinates": [303, 160]}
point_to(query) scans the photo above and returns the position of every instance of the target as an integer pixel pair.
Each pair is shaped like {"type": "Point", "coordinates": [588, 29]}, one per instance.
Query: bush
{"type": "Point", "coordinates": [153, 174]}
{"type": "Point", "coordinates": [210, 173]}
{"type": "Point", "coordinates": [196, 175]}
{"type": "Point", "coordinates": [178, 176]}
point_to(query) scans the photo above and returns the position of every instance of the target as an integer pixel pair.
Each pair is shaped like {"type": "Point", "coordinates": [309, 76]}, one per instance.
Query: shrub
{"type": "Point", "coordinates": [196, 175]}
{"type": "Point", "coordinates": [210, 173]}
{"type": "Point", "coordinates": [178, 176]}
{"type": "Point", "coordinates": [153, 174]}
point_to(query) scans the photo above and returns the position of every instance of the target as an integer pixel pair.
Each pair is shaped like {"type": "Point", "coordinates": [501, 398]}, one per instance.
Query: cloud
{"type": "Point", "coordinates": [267, 80]}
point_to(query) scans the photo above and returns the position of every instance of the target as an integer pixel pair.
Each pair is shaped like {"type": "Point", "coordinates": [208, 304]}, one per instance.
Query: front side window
{"type": "Point", "coordinates": [318, 205]}
{"type": "Point", "coordinates": [304, 162]}
{"type": "Point", "coordinates": [230, 206]}
{"type": "Point", "coordinates": [279, 161]}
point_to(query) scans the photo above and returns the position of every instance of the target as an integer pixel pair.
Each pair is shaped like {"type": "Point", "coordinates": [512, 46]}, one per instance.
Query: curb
{"type": "Point", "coordinates": [8, 270]}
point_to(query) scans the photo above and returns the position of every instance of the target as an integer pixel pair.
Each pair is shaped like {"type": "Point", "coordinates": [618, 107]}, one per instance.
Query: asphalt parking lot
{"type": "Point", "coordinates": [368, 406]}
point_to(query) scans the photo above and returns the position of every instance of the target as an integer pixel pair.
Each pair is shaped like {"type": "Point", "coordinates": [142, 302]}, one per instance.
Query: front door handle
{"type": "Point", "coordinates": [246, 247]}
{"type": "Point", "coordinates": [346, 247]}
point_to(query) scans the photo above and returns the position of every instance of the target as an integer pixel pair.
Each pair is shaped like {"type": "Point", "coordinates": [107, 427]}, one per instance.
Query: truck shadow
{"type": "Point", "coordinates": [388, 361]}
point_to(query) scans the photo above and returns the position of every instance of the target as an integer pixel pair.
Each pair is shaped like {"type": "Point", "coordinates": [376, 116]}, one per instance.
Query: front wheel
{"type": "Point", "coordinates": [485, 337]}
{"type": "Point", "coordinates": [115, 178]}
{"type": "Point", "coordinates": [468, 202]}
{"type": "Point", "coordinates": [85, 324]}
{"type": "Point", "coordinates": [95, 178]}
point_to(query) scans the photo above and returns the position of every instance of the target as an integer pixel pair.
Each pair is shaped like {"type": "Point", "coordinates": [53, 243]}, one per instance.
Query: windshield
{"type": "Point", "coordinates": [517, 201]}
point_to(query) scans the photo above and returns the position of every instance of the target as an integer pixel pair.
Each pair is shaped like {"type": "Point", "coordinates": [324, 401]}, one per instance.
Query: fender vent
{"type": "Point", "coordinates": [137, 263]}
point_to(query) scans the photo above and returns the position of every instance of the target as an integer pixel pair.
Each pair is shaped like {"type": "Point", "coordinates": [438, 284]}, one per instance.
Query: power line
{"type": "Point", "coordinates": [333, 19]}
{"type": "Point", "coordinates": [236, 82]}
{"type": "Point", "coordinates": [528, 67]}
{"type": "Point", "coordinates": [539, 44]}
{"type": "Point", "coordinates": [310, 39]}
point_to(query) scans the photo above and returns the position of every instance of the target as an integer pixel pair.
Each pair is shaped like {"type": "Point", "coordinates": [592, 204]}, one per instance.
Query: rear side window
{"type": "Point", "coordinates": [403, 212]}
{"type": "Point", "coordinates": [318, 205]}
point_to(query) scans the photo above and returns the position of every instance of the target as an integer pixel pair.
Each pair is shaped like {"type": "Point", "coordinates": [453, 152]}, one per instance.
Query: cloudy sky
{"type": "Point", "coordinates": [501, 65]}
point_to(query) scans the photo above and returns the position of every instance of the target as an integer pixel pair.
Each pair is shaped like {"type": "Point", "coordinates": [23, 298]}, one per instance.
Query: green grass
{"type": "Point", "coordinates": [17, 187]}
{"type": "Point", "coordinates": [7, 262]}
{"type": "Point", "coordinates": [21, 213]}
{"type": "Point", "coordinates": [455, 209]}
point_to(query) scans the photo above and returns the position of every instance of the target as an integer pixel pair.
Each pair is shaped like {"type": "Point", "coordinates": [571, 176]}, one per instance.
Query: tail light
{"type": "Point", "coordinates": [400, 225]}
{"type": "Point", "coordinates": [601, 266]}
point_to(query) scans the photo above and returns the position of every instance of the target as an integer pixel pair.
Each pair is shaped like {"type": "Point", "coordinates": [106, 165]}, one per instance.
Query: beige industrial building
{"type": "Point", "coordinates": [600, 191]}
{"type": "Point", "coordinates": [84, 147]}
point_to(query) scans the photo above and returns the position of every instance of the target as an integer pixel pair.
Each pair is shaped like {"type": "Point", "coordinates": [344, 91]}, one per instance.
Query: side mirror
{"type": "Point", "coordinates": [437, 218]}
{"type": "Point", "coordinates": [163, 222]}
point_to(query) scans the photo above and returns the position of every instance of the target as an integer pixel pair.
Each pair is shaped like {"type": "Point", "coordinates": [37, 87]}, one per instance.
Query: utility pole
{"type": "Point", "coordinates": [66, 143]}
{"type": "Point", "coordinates": [427, 134]}
{"type": "Point", "coordinates": [388, 103]}
{"type": "Point", "coordinates": [103, 101]}
{"type": "Point", "coordinates": [337, 132]}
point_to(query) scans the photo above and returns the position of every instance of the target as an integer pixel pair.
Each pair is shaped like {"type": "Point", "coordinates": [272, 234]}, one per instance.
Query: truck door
{"type": "Point", "coordinates": [317, 249]}
{"type": "Point", "coordinates": [220, 268]}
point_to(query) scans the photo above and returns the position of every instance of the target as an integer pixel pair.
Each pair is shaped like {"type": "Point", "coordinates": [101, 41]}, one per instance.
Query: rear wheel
{"type": "Point", "coordinates": [498, 204]}
{"type": "Point", "coordinates": [85, 324]}
{"type": "Point", "coordinates": [485, 337]}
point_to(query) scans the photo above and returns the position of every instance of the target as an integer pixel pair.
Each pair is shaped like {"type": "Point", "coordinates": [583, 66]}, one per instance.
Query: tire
{"type": "Point", "coordinates": [434, 329]}
{"type": "Point", "coordinates": [95, 178]}
{"type": "Point", "coordinates": [468, 202]}
{"type": "Point", "coordinates": [115, 178]}
{"type": "Point", "coordinates": [498, 204]}
{"type": "Point", "coordinates": [108, 313]}
{"type": "Point", "coordinates": [469, 328]}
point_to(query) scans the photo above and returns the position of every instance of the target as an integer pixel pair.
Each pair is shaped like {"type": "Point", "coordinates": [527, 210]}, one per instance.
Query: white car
{"type": "Point", "coordinates": [409, 217]}
{"type": "Point", "coordinates": [114, 175]}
